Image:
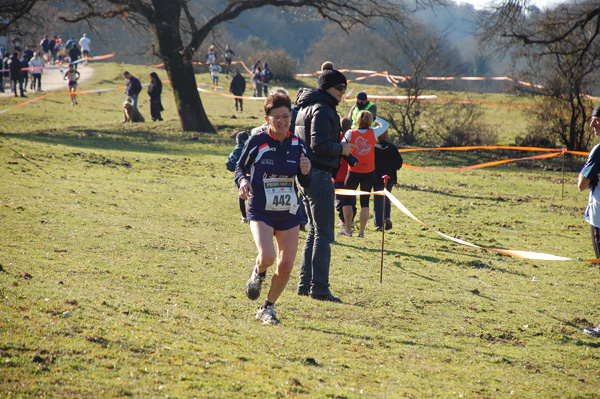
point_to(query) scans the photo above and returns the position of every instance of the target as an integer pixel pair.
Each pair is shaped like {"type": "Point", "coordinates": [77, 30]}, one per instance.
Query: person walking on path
{"type": "Point", "coordinates": [588, 180]}
{"type": "Point", "coordinates": [318, 124]}
{"type": "Point", "coordinates": [237, 88]}
{"type": "Point", "coordinates": [155, 91]}
{"type": "Point", "coordinates": [36, 67]}
{"type": "Point", "coordinates": [275, 160]}
{"type": "Point", "coordinates": [74, 54]}
{"type": "Point", "coordinates": [45, 45]}
{"type": "Point", "coordinates": [86, 46]}
{"type": "Point", "coordinates": [72, 76]}
{"type": "Point", "coordinates": [15, 73]}
{"type": "Point", "coordinates": [267, 76]}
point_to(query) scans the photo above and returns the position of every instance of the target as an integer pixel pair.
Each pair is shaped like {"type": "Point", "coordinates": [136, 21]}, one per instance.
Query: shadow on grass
{"type": "Point", "coordinates": [338, 333]}
{"type": "Point", "coordinates": [141, 139]}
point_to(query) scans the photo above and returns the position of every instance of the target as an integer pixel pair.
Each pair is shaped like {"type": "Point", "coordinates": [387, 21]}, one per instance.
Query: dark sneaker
{"type": "Point", "coordinates": [388, 224]}
{"type": "Point", "coordinates": [594, 332]}
{"type": "Point", "coordinates": [303, 291]}
{"type": "Point", "coordinates": [267, 315]}
{"type": "Point", "coordinates": [326, 297]}
{"type": "Point", "coordinates": [254, 285]}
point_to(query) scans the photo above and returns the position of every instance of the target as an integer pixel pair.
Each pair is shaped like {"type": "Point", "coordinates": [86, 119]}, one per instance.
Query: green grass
{"type": "Point", "coordinates": [135, 231]}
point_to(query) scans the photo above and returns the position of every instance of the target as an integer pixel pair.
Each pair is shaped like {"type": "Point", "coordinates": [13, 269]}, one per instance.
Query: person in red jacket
{"type": "Point", "coordinates": [362, 172]}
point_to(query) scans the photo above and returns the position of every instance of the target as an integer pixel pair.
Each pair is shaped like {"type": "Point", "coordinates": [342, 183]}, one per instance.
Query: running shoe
{"type": "Point", "coordinates": [254, 285]}
{"type": "Point", "coordinates": [267, 315]}
{"type": "Point", "coordinates": [361, 235]}
{"type": "Point", "coordinates": [594, 332]}
{"type": "Point", "coordinates": [345, 233]}
{"type": "Point", "coordinates": [388, 224]}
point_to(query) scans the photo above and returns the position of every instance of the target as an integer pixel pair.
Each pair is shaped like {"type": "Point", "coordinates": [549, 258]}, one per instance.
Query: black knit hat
{"type": "Point", "coordinates": [329, 78]}
{"type": "Point", "coordinates": [241, 137]}
{"type": "Point", "coordinates": [596, 111]}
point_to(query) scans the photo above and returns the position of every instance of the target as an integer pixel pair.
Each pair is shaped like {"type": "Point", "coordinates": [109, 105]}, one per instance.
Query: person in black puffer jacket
{"type": "Point", "coordinates": [318, 124]}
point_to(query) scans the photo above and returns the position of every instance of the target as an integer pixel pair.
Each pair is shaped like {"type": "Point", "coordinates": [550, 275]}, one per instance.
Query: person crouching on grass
{"type": "Point", "coordinates": [274, 159]}
{"type": "Point", "coordinates": [588, 180]}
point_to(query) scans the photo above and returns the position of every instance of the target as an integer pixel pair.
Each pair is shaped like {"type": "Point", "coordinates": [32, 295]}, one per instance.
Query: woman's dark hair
{"type": "Point", "coordinates": [154, 75]}
{"type": "Point", "coordinates": [276, 100]}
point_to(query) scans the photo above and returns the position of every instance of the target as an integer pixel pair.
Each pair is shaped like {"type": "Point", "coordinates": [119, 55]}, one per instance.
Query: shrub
{"type": "Point", "coordinates": [280, 62]}
{"type": "Point", "coordinates": [458, 125]}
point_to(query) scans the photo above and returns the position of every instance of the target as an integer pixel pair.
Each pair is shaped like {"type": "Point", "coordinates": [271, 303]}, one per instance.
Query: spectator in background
{"type": "Point", "coordinates": [5, 70]}
{"type": "Point", "coordinates": [257, 78]}
{"type": "Point", "coordinates": [28, 53]}
{"type": "Point", "coordinates": [24, 72]}
{"type": "Point", "coordinates": [155, 91]}
{"type": "Point", "coordinates": [228, 55]}
{"type": "Point", "coordinates": [232, 160]}
{"type": "Point", "coordinates": [44, 44]}
{"type": "Point", "coordinates": [16, 75]}
{"type": "Point", "coordinates": [17, 43]}
{"type": "Point", "coordinates": [267, 77]}
{"type": "Point", "coordinates": [52, 48]}
{"type": "Point", "coordinates": [133, 87]}
{"type": "Point", "coordinates": [212, 55]}
{"type": "Point", "coordinates": [362, 103]}
{"type": "Point", "coordinates": [387, 162]}
{"type": "Point", "coordinates": [237, 88]}
{"type": "Point", "coordinates": [588, 180]}
{"type": "Point", "coordinates": [86, 46]}
{"type": "Point", "coordinates": [36, 68]}
{"type": "Point", "coordinates": [70, 43]}
{"type": "Point", "coordinates": [1, 71]}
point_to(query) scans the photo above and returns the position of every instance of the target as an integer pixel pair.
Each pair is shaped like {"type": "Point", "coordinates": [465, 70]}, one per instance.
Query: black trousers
{"type": "Point", "coordinates": [596, 240]}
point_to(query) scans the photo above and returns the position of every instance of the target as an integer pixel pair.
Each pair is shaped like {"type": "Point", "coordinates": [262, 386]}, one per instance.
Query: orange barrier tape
{"type": "Point", "coordinates": [483, 165]}
{"type": "Point", "coordinates": [509, 252]}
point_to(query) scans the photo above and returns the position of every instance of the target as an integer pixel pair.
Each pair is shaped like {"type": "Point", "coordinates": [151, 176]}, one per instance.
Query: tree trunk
{"type": "Point", "coordinates": [179, 67]}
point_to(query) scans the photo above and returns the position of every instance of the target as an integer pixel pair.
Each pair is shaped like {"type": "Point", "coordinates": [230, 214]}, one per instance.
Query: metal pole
{"type": "Point", "coordinates": [385, 199]}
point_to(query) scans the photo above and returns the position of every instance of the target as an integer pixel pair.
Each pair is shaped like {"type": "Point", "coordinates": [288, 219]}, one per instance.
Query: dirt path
{"type": "Point", "coordinates": [52, 80]}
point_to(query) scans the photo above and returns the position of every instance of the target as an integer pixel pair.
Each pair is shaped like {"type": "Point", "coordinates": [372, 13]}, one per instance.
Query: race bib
{"type": "Point", "coordinates": [280, 194]}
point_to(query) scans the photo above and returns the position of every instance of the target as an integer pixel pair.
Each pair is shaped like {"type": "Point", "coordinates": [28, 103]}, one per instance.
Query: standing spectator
{"type": "Point", "coordinates": [5, 70]}
{"type": "Point", "coordinates": [86, 46]}
{"type": "Point", "coordinates": [17, 43]}
{"type": "Point", "coordinates": [267, 77]}
{"type": "Point", "coordinates": [257, 79]}
{"type": "Point", "coordinates": [1, 70]}
{"type": "Point", "coordinates": [255, 65]}
{"type": "Point", "coordinates": [16, 75]}
{"type": "Point", "coordinates": [44, 44]}
{"type": "Point", "coordinates": [25, 72]}
{"type": "Point", "coordinates": [28, 52]}
{"type": "Point", "coordinates": [588, 180]}
{"type": "Point", "coordinates": [232, 160]}
{"type": "Point", "coordinates": [52, 48]}
{"type": "Point", "coordinates": [36, 67]}
{"type": "Point", "coordinates": [215, 69]}
{"type": "Point", "coordinates": [133, 87]}
{"type": "Point", "coordinates": [155, 91]}
{"type": "Point", "coordinates": [228, 55]}
{"type": "Point", "coordinates": [318, 124]}
{"type": "Point", "coordinates": [387, 162]}
{"type": "Point", "coordinates": [362, 103]}
{"type": "Point", "coordinates": [72, 76]}
{"type": "Point", "coordinates": [237, 88]}
{"type": "Point", "coordinates": [74, 54]}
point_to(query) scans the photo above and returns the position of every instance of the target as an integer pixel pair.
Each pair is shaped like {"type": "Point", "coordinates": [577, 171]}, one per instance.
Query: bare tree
{"type": "Point", "coordinates": [181, 26]}
{"type": "Point", "coordinates": [415, 52]}
{"type": "Point", "coordinates": [562, 52]}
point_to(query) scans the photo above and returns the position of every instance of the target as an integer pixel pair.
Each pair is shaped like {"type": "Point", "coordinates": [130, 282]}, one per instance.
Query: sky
{"type": "Point", "coordinates": [483, 3]}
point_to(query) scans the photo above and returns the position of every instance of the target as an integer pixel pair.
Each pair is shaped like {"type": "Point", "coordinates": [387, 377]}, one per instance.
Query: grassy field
{"type": "Point", "coordinates": [123, 265]}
